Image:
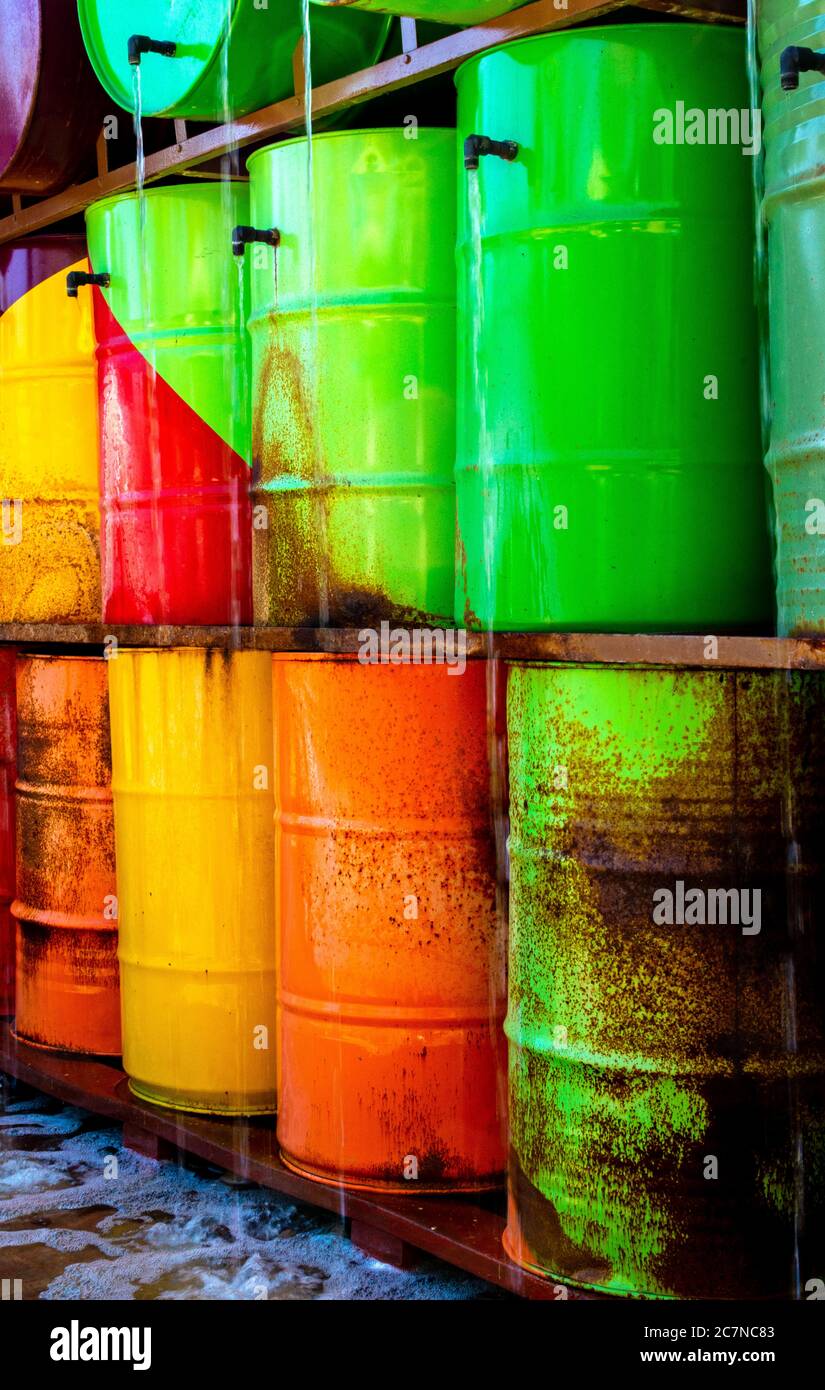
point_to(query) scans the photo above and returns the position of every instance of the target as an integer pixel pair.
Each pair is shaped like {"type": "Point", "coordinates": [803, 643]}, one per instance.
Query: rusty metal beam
{"type": "Point", "coordinates": [287, 116]}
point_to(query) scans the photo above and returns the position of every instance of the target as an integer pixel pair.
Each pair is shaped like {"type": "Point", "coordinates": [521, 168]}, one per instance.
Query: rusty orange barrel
{"type": "Point", "coordinates": [8, 757]}
{"type": "Point", "coordinates": [391, 970]}
{"type": "Point", "coordinates": [66, 907]}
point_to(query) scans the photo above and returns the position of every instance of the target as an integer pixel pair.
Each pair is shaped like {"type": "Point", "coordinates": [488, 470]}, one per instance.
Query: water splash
{"type": "Point", "coordinates": [318, 493]}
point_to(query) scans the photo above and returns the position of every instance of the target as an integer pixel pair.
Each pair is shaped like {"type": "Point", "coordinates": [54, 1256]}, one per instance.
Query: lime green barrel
{"type": "Point", "coordinates": [353, 379]}
{"type": "Point", "coordinates": [794, 212]}
{"type": "Point", "coordinates": [440, 11]}
{"type": "Point", "coordinates": [665, 1024]}
{"type": "Point", "coordinates": [213, 59]}
{"type": "Point", "coordinates": [608, 466]}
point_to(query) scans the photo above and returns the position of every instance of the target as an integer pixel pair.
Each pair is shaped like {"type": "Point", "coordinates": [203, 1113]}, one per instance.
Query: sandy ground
{"type": "Point", "coordinates": [83, 1217]}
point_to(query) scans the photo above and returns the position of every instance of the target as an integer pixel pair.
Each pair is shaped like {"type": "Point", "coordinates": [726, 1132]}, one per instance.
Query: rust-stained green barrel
{"type": "Point", "coordinates": [794, 211]}
{"type": "Point", "coordinates": [666, 1077]}
{"type": "Point", "coordinates": [230, 57]}
{"type": "Point", "coordinates": [354, 379]}
{"type": "Point", "coordinates": [609, 460]}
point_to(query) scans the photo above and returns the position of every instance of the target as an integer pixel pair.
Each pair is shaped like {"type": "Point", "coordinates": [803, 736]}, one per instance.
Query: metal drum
{"type": "Point", "coordinates": [608, 470]}
{"type": "Point", "coordinates": [440, 11]}
{"type": "Point", "coordinates": [212, 59]}
{"type": "Point", "coordinates": [8, 761]}
{"type": "Point", "coordinates": [391, 970]}
{"type": "Point", "coordinates": [667, 974]}
{"type": "Point", "coordinates": [66, 905]}
{"type": "Point", "coordinates": [192, 760]}
{"type": "Point", "coordinates": [353, 384]}
{"type": "Point", "coordinates": [794, 211]}
{"type": "Point", "coordinates": [49, 518]}
{"type": "Point", "coordinates": [51, 107]}
{"type": "Point", "coordinates": [173, 379]}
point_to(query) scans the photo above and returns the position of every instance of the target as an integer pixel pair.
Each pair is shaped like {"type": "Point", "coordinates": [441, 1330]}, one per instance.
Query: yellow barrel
{"type": "Point", "coordinates": [49, 537]}
{"type": "Point", "coordinates": [192, 783]}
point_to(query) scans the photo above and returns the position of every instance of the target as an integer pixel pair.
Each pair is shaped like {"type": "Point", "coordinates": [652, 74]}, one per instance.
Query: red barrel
{"type": "Point", "coordinates": [51, 104]}
{"type": "Point", "coordinates": [8, 752]}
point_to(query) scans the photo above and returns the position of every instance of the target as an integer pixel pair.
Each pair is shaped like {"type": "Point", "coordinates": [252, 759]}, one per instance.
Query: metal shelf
{"type": "Point", "coordinates": [286, 117]}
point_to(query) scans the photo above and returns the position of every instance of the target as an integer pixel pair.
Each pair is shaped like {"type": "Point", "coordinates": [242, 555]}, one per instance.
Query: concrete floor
{"type": "Point", "coordinates": [83, 1217]}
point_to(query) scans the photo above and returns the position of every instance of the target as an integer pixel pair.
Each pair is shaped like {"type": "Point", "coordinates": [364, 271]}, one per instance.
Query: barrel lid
{"type": "Point", "coordinates": [198, 27]}
{"type": "Point", "coordinates": [350, 135]}
{"type": "Point", "coordinates": [615, 32]}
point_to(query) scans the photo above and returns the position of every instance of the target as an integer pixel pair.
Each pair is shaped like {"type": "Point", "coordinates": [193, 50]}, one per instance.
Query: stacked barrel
{"type": "Point", "coordinates": [504, 377]}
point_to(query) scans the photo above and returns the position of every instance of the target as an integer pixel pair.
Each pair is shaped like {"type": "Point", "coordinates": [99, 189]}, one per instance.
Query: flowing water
{"type": "Point", "coordinates": [313, 363]}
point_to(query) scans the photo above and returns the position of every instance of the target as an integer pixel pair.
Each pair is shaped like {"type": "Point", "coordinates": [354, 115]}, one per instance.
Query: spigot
{"type": "Point", "coordinates": [242, 236]}
{"type": "Point", "coordinates": [793, 61]}
{"type": "Point", "coordinates": [81, 277]}
{"type": "Point", "coordinates": [477, 145]}
{"type": "Point", "coordinates": [141, 43]}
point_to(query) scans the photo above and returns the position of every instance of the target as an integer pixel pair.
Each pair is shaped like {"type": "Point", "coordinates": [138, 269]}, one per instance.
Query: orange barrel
{"type": "Point", "coordinates": [8, 756]}
{"type": "Point", "coordinates": [391, 954]}
{"type": "Point", "coordinates": [66, 909]}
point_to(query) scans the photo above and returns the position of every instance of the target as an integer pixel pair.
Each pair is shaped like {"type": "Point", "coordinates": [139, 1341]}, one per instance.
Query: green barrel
{"type": "Point", "coordinates": [794, 211]}
{"type": "Point", "coordinates": [353, 379]}
{"type": "Point", "coordinates": [441, 11]}
{"type": "Point", "coordinates": [665, 1025]}
{"type": "Point", "coordinates": [231, 56]}
{"type": "Point", "coordinates": [608, 464]}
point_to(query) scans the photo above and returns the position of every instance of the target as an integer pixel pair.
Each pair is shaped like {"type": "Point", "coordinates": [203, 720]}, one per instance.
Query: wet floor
{"type": "Point", "coordinates": [83, 1217]}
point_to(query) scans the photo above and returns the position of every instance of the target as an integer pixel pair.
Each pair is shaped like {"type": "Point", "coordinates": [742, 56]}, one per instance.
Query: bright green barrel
{"type": "Point", "coordinates": [441, 11]}
{"type": "Point", "coordinates": [232, 56]}
{"type": "Point", "coordinates": [642, 1050]}
{"type": "Point", "coordinates": [354, 383]}
{"type": "Point", "coordinates": [794, 210]}
{"type": "Point", "coordinates": [608, 467]}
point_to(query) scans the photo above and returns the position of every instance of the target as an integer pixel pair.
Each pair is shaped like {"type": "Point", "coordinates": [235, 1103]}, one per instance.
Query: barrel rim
{"type": "Point", "coordinates": [599, 31]}
{"type": "Point", "coordinates": [190, 186]}
{"type": "Point", "coordinates": [344, 134]}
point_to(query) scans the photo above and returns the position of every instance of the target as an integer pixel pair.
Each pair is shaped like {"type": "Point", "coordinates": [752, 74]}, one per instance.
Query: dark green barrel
{"type": "Point", "coordinates": [667, 1080]}
{"type": "Point", "coordinates": [608, 469]}
{"type": "Point", "coordinates": [794, 211]}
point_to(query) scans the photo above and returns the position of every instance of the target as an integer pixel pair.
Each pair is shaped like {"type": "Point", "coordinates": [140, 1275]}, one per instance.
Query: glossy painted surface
{"type": "Point", "coordinates": [51, 107]}
{"type": "Point", "coordinates": [640, 1051]}
{"type": "Point", "coordinates": [8, 763]}
{"type": "Point", "coordinates": [173, 379]}
{"type": "Point", "coordinates": [49, 529]}
{"type": "Point", "coordinates": [192, 760]}
{"type": "Point", "coordinates": [441, 11]}
{"type": "Point", "coordinates": [794, 210]}
{"type": "Point", "coordinates": [391, 969]}
{"type": "Point", "coordinates": [599, 483]}
{"type": "Point", "coordinates": [233, 55]}
{"type": "Point", "coordinates": [353, 458]}
{"type": "Point", "coordinates": [66, 905]}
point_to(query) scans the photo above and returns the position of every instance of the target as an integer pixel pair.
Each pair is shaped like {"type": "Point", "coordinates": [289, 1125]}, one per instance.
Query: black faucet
{"type": "Point", "coordinates": [81, 277]}
{"type": "Point", "coordinates": [242, 236]}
